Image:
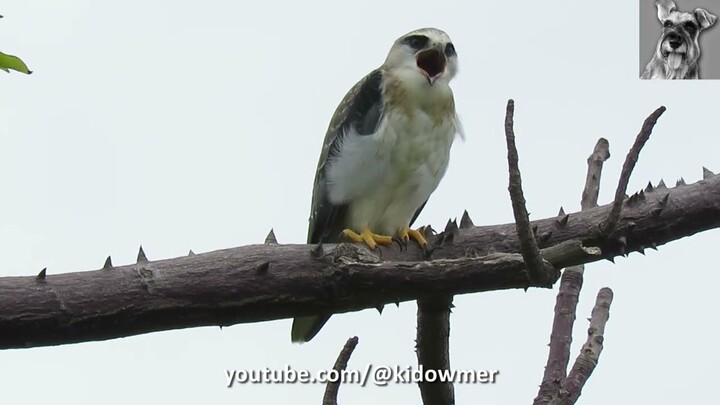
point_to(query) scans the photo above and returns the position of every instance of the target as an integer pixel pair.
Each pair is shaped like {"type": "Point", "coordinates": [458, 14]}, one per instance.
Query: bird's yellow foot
{"type": "Point", "coordinates": [414, 234]}
{"type": "Point", "coordinates": [366, 236]}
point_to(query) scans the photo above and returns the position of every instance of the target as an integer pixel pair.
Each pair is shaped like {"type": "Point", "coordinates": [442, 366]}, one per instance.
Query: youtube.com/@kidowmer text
{"type": "Point", "coordinates": [371, 374]}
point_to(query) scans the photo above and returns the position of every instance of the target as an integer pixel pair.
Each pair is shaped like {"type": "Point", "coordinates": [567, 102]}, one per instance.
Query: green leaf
{"type": "Point", "coordinates": [8, 62]}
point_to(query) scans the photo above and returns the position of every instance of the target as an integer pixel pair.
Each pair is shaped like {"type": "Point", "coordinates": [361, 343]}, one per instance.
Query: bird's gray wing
{"type": "Point", "coordinates": [361, 110]}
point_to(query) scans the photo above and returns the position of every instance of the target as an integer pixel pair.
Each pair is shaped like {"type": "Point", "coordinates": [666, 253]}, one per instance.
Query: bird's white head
{"type": "Point", "coordinates": [426, 55]}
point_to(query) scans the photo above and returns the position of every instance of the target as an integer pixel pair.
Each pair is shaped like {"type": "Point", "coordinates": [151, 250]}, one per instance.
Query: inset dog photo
{"type": "Point", "coordinates": [670, 45]}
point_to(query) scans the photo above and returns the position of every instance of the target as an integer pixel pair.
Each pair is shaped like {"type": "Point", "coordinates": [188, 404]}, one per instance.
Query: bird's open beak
{"type": "Point", "coordinates": [431, 62]}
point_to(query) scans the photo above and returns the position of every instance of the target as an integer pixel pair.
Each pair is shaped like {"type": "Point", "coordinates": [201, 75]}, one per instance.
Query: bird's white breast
{"type": "Point", "coordinates": [387, 176]}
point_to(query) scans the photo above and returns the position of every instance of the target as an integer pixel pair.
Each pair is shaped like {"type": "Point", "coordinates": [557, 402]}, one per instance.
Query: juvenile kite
{"type": "Point", "coordinates": [386, 149]}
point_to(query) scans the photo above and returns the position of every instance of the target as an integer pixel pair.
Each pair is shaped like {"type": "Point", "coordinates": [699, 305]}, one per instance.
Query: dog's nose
{"type": "Point", "coordinates": [674, 40]}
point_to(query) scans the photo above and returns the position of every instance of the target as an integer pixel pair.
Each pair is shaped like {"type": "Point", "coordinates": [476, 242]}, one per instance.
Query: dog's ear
{"type": "Point", "coordinates": [704, 18]}
{"type": "Point", "coordinates": [665, 7]}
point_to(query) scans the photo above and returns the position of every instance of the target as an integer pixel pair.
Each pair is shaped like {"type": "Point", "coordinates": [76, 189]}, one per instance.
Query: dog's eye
{"type": "Point", "coordinates": [667, 24]}
{"type": "Point", "coordinates": [690, 27]}
{"type": "Point", "coordinates": [417, 42]}
{"type": "Point", "coordinates": [450, 50]}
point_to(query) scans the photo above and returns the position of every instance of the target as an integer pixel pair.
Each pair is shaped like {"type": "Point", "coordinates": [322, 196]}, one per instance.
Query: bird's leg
{"type": "Point", "coordinates": [408, 233]}
{"type": "Point", "coordinates": [366, 236]}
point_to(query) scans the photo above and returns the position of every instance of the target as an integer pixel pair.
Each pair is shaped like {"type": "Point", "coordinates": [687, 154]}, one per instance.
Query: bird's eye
{"type": "Point", "coordinates": [667, 24]}
{"type": "Point", "coordinates": [450, 50]}
{"type": "Point", "coordinates": [690, 27]}
{"type": "Point", "coordinates": [417, 42]}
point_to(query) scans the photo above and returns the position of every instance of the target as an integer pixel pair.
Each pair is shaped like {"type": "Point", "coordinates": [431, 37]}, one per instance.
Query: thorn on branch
{"type": "Point", "coordinates": [680, 182]}
{"type": "Point", "coordinates": [451, 226]}
{"type": "Point", "coordinates": [41, 276]}
{"type": "Point", "coordinates": [661, 185]}
{"type": "Point", "coordinates": [649, 187]}
{"type": "Point", "coordinates": [663, 201]}
{"type": "Point", "coordinates": [270, 239]}
{"type": "Point", "coordinates": [451, 230]}
{"type": "Point", "coordinates": [465, 221]}
{"type": "Point", "coordinates": [472, 252]}
{"type": "Point", "coordinates": [636, 198]}
{"type": "Point", "coordinates": [318, 251]}
{"type": "Point", "coordinates": [562, 222]}
{"type": "Point", "coordinates": [191, 253]}
{"type": "Point", "coordinates": [262, 268]}
{"type": "Point", "coordinates": [544, 237]}
{"type": "Point", "coordinates": [428, 231]}
{"type": "Point", "coordinates": [622, 242]}
{"type": "Point", "coordinates": [630, 161]}
{"type": "Point", "coordinates": [108, 264]}
{"type": "Point", "coordinates": [141, 258]}
{"type": "Point", "coordinates": [653, 246]}
{"type": "Point", "coordinates": [561, 212]}
{"type": "Point", "coordinates": [380, 308]}
{"type": "Point", "coordinates": [427, 252]}
{"type": "Point", "coordinates": [707, 173]}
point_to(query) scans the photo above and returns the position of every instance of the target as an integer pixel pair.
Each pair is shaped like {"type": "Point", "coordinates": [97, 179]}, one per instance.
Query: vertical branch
{"type": "Point", "coordinates": [528, 245]}
{"type": "Point", "coordinates": [555, 388]}
{"type": "Point", "coordinates": [433, 347]}
{"type": "Point", "coordinates": [569, 292]}
{"type": "Point", "coordinates": [590, 353]}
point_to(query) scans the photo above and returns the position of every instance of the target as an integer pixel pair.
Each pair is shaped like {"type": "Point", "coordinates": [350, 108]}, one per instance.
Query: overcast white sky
{"type": "Point", "coordinates": [191, 124]}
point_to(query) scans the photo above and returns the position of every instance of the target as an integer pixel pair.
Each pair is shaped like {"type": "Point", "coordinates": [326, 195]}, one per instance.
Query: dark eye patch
{"type": "Point", "coordinates": [416, 42]}
{"type": "Point", "coordinates": [450, 50]}
{"type": "Point", "coordinates": [690, 27]}
{"type": "Point", "coordinates": [667, 24]}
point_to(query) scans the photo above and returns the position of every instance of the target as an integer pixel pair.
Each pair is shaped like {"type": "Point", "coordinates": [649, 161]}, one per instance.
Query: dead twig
{"type": "Point", "coordinates": [630, 160]}
{"type": "Point", "coordinates": [569, 292]}
{"type": "Point", "coordinates": [332, 388]}
{"type": "Point", "coordinates": [528, 245]}
{"type": "Point", "coordinates": [590, 353]}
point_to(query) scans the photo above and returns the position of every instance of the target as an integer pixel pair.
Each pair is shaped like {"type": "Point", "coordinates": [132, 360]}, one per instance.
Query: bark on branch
{"type": "Point", "coordinates": [265, 282]}
{"type": "Point", "coordinates": [569, 291]}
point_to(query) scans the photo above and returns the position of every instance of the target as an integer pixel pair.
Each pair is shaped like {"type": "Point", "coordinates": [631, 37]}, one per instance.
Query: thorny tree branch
{"type": "Point", "coordinates": [555, 388]}
{"type": "Point", "coordinates": [528, 245]}
{"type": "Point", "coordinates": [265, 282]}
{"type": "Point", "coordinates": [628, 166]}
{"type": "Point", "coordinates": [569, 292]}
{"type": "Point", "coordinates": [590, 353]}
{"type": "Point", "coordinates": [332, 388]}
{"type": "Point", "coordinates": [433, 333]}
{"type": "Point", "coordinates": [433, 347]}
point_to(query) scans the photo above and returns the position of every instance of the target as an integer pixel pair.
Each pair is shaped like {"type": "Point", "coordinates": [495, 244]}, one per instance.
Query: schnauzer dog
{"type": "Point", "coordinates": [677, 52]}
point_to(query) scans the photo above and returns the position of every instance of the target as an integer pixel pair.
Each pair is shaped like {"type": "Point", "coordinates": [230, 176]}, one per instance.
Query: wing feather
{"type": "Point", "coordinates": [361, 109]}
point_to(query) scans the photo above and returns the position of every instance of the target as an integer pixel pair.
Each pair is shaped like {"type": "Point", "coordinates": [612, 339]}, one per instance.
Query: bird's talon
{"type": "Point", "coordinates": [414, 234]}
{"type": "Point", "coordinates": [366, 236]}
{"type": "Point", "coordinates": [401, 243]}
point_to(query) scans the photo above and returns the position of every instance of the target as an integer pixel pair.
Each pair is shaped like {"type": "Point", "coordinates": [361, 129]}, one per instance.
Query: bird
{"type": "Point", "coordinates": [385, 151]}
